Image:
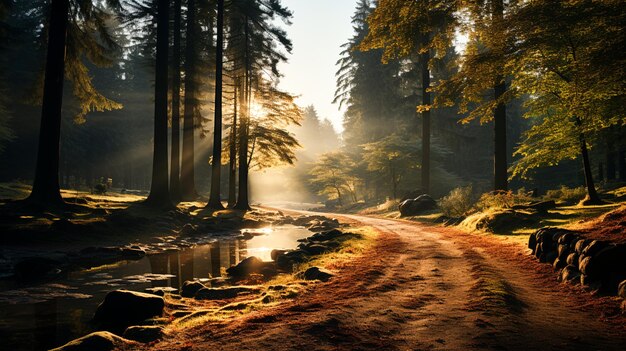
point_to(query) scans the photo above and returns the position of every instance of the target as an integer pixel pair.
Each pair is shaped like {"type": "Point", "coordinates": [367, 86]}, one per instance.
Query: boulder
{"type": "Point", "coordinates": [315, 273]}
{"type": "Point", "coordinates": [190, 288]}
{"type": "Point", "coordinates": [275, 253]}
{"type": "Point", "coordinates": [419, 205]}
{"type": "Point", "coordinates": [289, 259]}
{"type": "Point", "coordinates": [581, 245]}
{"type": "Point", "coordinates": [249, 265]}
{"type": "Point", "coordinates": [569, 274]}
{"type": "Point", "coordinates": [505, 220]}
{"type": "Point", "coordinates": [558, 264]}
{"type": "Point", "coordinates": [98, 341]}
{"type": "Point", "coordinates": [144, 334]}
{"type": "Point", "coordinates": [594, 248]}
{"type": "Point", "coordinates": [124, 308]}
{"type": "Point", "coordinates": [572, 259]}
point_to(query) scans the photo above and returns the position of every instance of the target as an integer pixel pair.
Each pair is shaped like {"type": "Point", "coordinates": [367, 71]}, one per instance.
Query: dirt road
{"type": "Point", "coordinates": [421, 288]}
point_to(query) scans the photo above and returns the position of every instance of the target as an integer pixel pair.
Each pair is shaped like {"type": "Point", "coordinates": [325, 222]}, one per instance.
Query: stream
{"type": "Point", "coordinates": [47, 315]}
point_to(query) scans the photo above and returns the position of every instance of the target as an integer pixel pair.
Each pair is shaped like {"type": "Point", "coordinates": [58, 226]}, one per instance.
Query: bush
{"type": "Point", "coordinates": [502, 199]}
{"type": "Point", "coordinates": [566, 194]}
{"type": "Point", "coordinates": [458, 202]}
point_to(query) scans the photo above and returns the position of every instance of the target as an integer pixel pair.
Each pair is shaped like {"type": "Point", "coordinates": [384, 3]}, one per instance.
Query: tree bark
{"type": "Point", "coordinates": [243, 201]}
{"type": "Point", "coordinates": [176, 81]}
{"type": "Point", "coordinates": [215, 199]}
{"type": "Point", "coordinates": [425, 58]}
{"type": "Point", "coordinates": [500, 165]}
{"type": "Point", "coordinates": [232, 168]}
{"type": "Point", "coordinates": [592, 194]}
{"type": "Point", "coordinates": [159, 190]}
{"type": "Point", "coordinates": [187, 172]}
{"type": "Point", "coordinates": [46, 191]}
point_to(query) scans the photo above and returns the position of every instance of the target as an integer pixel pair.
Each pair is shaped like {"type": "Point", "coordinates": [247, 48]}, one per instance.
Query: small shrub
{"type": "Point", "coordinates": [566, 194]}
{"type": "Point", "coordinates": [458, 202]}
{"type": "Point", "coordinates": [502, 199]}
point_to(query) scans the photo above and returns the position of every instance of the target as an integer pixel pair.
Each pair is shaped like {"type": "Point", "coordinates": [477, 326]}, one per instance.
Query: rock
{"type": "Point", "coordinates": [621, 290]}
{"type": "Point", "coordinates": [315, 273]}
{"type": "Point", "coordinates": [594, 248]}
{"type": "Point", "coordinates": [581, 245]}
{"type": "Point", "coordinates": [275, 253]}
{"type": "Point", "coordinates": [569, 274]}
{"type": "Point", "coordinates": [558, 264]}
{"type": "Point", "coordinates": [563, 252]}
{"type": "Point", "coordinates": [124, 308]}
{"type": "Point", "coordinates": [572, 259]}
{"type": "Point", "coordinates": [249, 265]}
{"type": "Point", "coordinates": [314, 249]}
{"type": "Point", "coordinates": [144, 334]}
{"type": "Point", "coordinates": [326, 236]}
{"type": "Point", "coordinates": [190, 288]}
{"type": "Point", "coordinates": [289, 259]}
{"type": "Point", "coordinates": [586, 266]}
{"type": "Point", "coordinates": [189, 230]}
{"type": "Point", "coordinates": [414, 207]}
{"type": "Point", "coordinates": [224, 293]}
{"type": "Point", "coordinates": [98, 341]}
{"type": "Point", "coordinates": [503, 220]}
{"type": "Point", "coordinates": [36, 268]}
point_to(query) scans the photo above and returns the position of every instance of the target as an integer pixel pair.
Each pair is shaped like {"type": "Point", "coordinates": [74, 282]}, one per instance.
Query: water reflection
{"type": "Point", "coordinates": [46, 316]}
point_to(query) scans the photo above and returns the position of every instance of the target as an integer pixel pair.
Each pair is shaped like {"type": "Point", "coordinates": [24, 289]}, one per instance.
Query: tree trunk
{"type": "Point", "coordinates": [215, 199]}
{"type": "Point", "coordinates": [243, 201]}
{"type": "Point", "coordinates": [175, 149]}
{"type": "Point", "coordinates": [425, 59]}
{"type": "Point", "coordinates": [232, 168]}
{"type": "Point", "coordinates": [592, 194]}
{"type": "Point", "coordinates": [187, 172]}
{"type": "Point", "coordinates": [159, 191]}
{"type": "Point", "coordinates": [46, 190]}
{"type": "Point", "coordinates": [500, 166]}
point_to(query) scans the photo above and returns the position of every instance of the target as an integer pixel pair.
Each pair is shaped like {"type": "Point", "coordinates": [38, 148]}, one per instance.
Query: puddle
{"type": "Point", "coordinates": [48, 315]}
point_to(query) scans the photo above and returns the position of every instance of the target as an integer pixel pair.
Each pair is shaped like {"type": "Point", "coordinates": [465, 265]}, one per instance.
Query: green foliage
{"type": "Point", "coordinates": [566, 194]}
{"type": "Point", "coordinates": [502, 199]}
{"type": "Point", "coordinates": [569, 59]}
{"type": "Point", "coordinates": [333, 176]}
{"type": "Point", "coordinates": [90, 38]}
{"type": "Point", "coordinates": [394, 157]}
{"type": "Point", "coordinates": [458, 202]}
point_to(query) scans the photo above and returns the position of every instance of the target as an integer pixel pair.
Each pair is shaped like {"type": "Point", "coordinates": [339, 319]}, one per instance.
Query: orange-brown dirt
{"type": "Point", "coordinates": [425, 288]}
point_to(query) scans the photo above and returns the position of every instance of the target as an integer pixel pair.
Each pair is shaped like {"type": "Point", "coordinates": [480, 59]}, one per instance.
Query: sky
{"type": "Point", "coordinates": [319, 28]}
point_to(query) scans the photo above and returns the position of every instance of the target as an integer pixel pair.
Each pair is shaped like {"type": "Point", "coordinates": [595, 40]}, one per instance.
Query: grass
{"type": "Point", "coordinates": [292, 285]}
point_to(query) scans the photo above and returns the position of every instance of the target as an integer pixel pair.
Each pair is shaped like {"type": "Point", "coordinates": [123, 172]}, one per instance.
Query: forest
{"type": "Point", "coordinates": [165, 185]}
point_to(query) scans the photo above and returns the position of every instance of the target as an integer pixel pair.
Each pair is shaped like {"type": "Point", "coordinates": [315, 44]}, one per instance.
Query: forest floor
{"type": "Point", "coordinates": [421, 287]}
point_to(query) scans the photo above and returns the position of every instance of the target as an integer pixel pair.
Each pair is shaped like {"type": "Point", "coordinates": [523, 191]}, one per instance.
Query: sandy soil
{"type": "Point", "coordinates": [425, 288]}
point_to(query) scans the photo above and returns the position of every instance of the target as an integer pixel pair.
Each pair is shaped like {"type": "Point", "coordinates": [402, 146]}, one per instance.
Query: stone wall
{"type": "Point", "coordinates": [599, 265]}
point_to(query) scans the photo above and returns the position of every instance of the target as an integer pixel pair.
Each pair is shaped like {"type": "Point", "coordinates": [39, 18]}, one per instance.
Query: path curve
{"type": "Point", "coordinates": [419, 288]}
